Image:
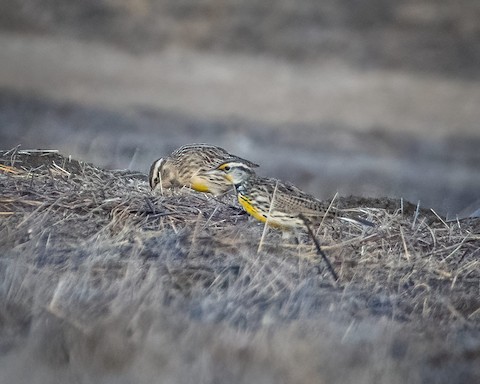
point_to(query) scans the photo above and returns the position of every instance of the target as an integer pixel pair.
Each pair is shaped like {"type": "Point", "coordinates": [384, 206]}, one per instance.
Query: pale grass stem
{"type": "Point", "coordinates": [265, 226]}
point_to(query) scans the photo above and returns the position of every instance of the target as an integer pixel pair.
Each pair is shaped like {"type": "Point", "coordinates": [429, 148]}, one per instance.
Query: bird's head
{"type": "Point", "coordinates": [235, 172]}
{"type": "Point", "coordinates": [163, 174]}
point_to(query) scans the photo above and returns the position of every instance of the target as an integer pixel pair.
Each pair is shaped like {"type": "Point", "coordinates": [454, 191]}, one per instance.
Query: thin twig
{"type": "Point", "coordinates": [417, 211]}
{"type": "Point", "coordinates": [319, 249]}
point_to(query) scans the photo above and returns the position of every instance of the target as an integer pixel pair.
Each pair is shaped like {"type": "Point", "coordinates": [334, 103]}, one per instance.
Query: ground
{"type": "Point", "coordinates": [103, 281]}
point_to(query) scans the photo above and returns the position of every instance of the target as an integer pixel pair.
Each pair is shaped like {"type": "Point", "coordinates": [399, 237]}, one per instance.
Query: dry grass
{"type": "Point", "coordinates": [103, 282]}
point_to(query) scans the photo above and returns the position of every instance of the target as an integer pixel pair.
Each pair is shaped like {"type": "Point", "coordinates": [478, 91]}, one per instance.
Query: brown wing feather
{"type": "Point", "coordinates": [291, 199]}
{"type": "Point", "coordinates": [211, 155]}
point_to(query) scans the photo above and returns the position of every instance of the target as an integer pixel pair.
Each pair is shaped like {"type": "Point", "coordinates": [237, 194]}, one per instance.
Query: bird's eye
{"type": "Point", "coordinates": [156, 180]}
{"type": "Point", "coordinates": [227, 168]}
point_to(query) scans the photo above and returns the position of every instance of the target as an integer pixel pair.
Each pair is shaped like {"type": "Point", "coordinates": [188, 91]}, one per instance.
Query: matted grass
{"type": "Point", "coordinates": [101, 281]}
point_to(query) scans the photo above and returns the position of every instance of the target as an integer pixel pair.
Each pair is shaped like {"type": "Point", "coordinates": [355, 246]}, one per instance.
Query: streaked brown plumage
{"type": "Point", "coordinates": [186, 166]}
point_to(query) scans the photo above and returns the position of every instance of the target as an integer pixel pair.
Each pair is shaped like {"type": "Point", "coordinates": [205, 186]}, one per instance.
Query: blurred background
{"type": "Point", "coordinates": [372, 98]}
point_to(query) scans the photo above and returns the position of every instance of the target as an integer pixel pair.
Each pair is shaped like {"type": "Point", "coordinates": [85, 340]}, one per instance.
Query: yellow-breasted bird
{"type": "Point", "coordinates": [187, 166]}
{"type": "Point", "coordinates": [277, 203]}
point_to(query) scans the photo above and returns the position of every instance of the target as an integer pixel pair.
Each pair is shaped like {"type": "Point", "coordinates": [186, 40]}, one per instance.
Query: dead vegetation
{"type": "Point", "coordinates": [103, 282]}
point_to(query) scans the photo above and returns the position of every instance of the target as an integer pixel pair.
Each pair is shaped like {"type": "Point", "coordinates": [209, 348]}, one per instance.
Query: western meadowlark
{"type": "Point", "coordinates": [279, 204]}
{"type": "Point", "coordinates": [186, 166]}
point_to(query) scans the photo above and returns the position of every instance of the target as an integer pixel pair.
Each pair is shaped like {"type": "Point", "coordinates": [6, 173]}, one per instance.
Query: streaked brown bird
{"type": "Point", "coordinates": [187, 166]}
{"type": "Point", "coordinates": [272, 201]}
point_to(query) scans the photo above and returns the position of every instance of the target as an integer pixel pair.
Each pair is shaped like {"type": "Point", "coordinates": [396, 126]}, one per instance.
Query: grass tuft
{"type": "Point", "coordinates": [101, 281]}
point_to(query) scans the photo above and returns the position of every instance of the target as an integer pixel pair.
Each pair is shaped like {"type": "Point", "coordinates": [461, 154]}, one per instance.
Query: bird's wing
{"type": "Point", "coordinates": [293, 200]}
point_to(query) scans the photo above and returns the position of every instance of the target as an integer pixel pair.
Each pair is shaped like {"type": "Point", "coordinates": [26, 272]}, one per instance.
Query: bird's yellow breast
{"type": "Point", "coordinates": [245, 202]}
{"type": "Point", "coordinates": [250, 209]}
{"type": "Point", "coordinates": [199, 184]}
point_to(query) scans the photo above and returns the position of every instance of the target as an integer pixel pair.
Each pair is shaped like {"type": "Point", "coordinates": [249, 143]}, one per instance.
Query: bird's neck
{"type": "Point", "coordinates": [239, 187]}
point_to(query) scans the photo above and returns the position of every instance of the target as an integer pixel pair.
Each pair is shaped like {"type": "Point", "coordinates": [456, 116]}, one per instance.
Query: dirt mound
{"type": "Point", "coordinates": [101, 279]}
